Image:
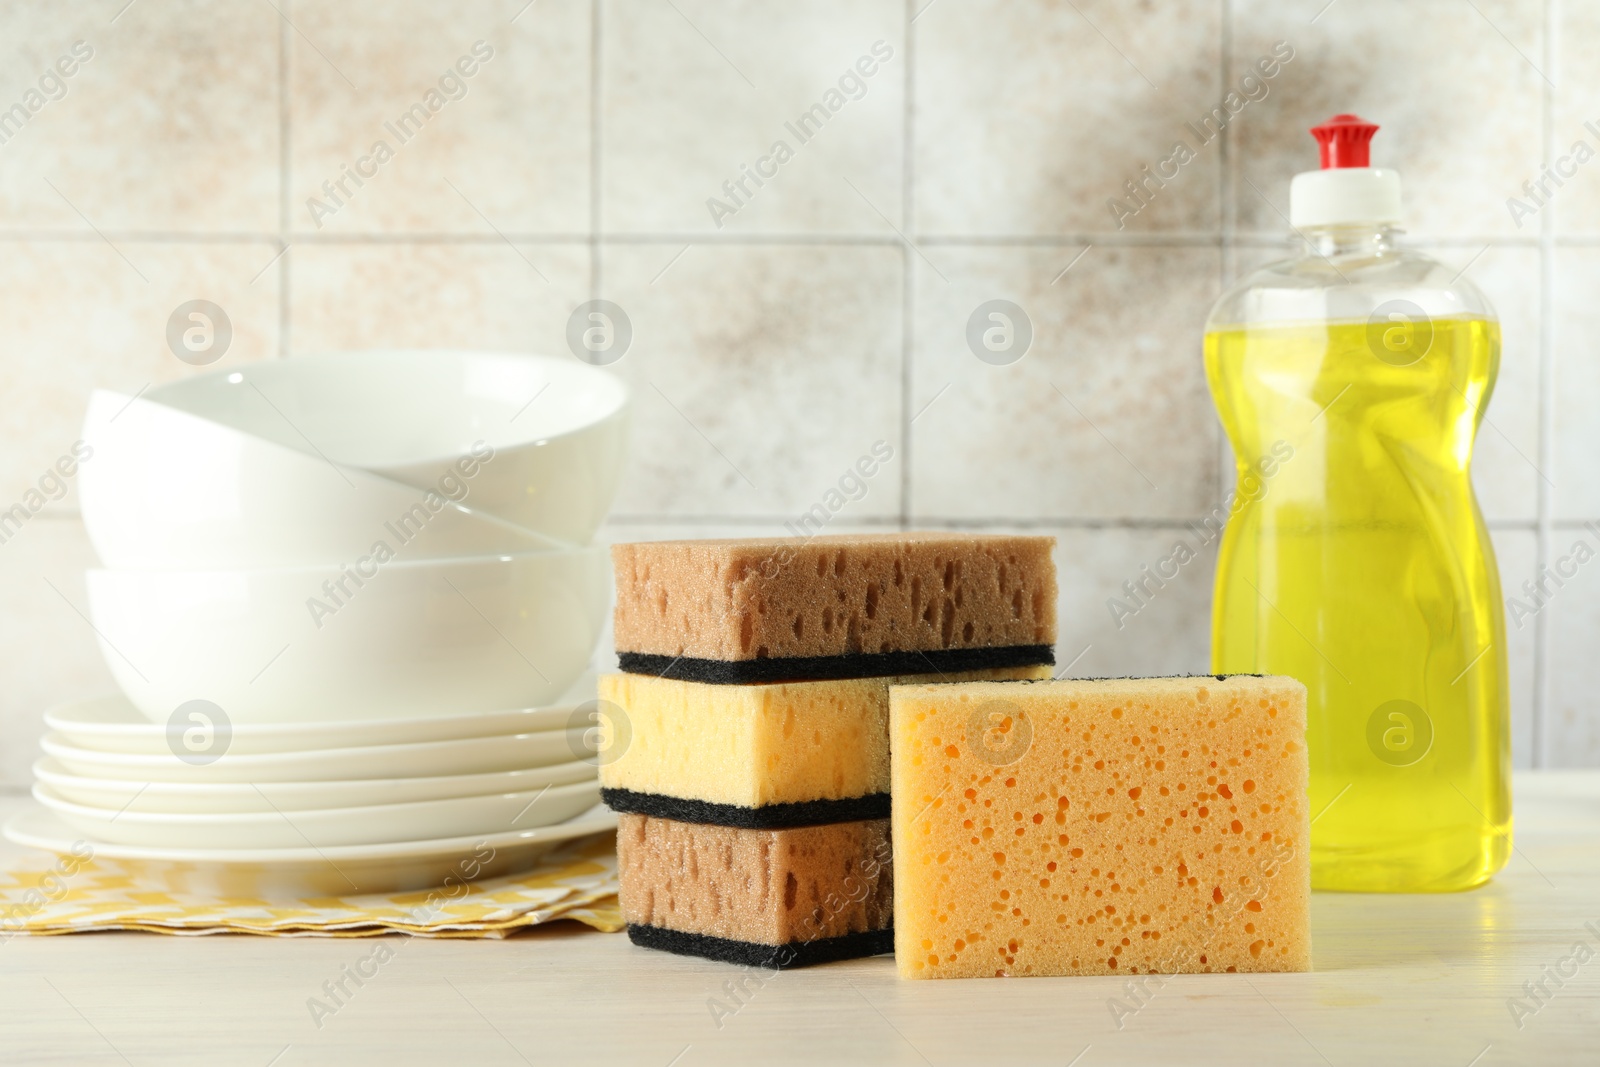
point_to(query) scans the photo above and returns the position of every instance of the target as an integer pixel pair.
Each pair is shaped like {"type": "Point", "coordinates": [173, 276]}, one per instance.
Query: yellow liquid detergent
{"type": "Point", "coordinates": [1362, 567]}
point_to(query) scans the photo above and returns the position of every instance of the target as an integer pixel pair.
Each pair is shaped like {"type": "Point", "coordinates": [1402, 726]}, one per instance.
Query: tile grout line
{"type": "Point", "coordinates": [1227, 220]}
{"type": "Point", "coordinates": [596, 21]}
{"type": "Point", "coordinates": [285, 178]}
{"type": "Point", "coordinates": [908, 269]}
{"type": "Point", "coordinates": [957, 521]}
{"type": "Point", "coordinates": [1149, 239]}
{"type": "Point", "coordinates": [1543, 533]}
{"type": "Point", "coordinates": [1227, 217]}
{"type": "Point", "coordinates": [995, 521]}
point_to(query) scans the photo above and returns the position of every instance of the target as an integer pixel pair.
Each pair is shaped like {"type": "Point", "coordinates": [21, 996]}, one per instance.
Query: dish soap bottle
{"type": "Point", "coordinates": [1351, 381]}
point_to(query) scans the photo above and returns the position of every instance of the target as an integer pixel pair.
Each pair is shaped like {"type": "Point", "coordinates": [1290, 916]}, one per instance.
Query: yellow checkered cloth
{"type": "Point", "coordinates": [576, 881]}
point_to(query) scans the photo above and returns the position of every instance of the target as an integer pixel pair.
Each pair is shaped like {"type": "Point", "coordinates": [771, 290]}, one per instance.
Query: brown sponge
{"type": "Point", "coordinates": [804, 888]}
{"type": "Point", "coordinates": [895, 603]}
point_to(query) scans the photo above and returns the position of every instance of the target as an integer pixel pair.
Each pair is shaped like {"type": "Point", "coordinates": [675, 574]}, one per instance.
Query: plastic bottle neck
{"type": "Point", "coordinates": [1367, 240]}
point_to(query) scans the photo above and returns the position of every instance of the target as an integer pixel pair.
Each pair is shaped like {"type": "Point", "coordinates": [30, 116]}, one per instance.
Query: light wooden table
{"type": "Point", "coordinates": [1399, 979]}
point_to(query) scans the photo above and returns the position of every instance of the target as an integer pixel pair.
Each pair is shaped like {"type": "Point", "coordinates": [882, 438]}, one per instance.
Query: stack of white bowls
{"type": "Point", "coordinates": [341, 595]}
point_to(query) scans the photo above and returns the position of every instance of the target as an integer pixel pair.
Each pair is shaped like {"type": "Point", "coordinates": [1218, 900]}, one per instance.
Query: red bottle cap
{"type": "Point", "coordinates": [1345, 141]}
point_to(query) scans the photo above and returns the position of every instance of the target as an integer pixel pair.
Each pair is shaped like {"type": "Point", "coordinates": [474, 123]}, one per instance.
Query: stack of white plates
{"type": "Point", "coordinates": [108, 776]}
{"type": "Point", "coordinates": [325, 579]}
{"type": "Point", "coordinates": [326, 807]}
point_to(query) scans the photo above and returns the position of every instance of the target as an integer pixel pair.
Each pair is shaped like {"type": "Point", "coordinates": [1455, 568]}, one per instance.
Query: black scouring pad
{"type": "Point", "coordinates": [752, 954]}
{"type": "Point", "coordinates": [766, 817]}
{"type": "Point", "coordinates": [824, 668]}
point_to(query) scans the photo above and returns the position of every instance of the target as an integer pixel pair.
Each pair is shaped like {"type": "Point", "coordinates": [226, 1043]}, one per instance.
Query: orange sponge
{"type": "Point", "coordinates": [1113, 826]}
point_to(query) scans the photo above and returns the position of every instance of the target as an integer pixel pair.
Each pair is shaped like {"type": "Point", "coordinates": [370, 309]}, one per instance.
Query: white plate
{"type": "Point", "coordinates": [474, 755]}
{"type": "Point", "coordinates": [293, 873]}
{"type": "Point", "coordinates": [327, 827]}
{"type": "Point", "coordinates": [113, 724]}
{"type": "Point", "coordinates": [198, 798]}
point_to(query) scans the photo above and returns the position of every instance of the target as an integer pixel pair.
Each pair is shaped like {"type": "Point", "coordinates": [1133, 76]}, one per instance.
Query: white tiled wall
{"type": "Point", "coordinates": [829, 311]}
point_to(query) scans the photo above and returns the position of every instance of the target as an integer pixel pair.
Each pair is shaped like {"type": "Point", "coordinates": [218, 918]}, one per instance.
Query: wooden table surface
{"type": "Point", "coordinates": [1399, 979]}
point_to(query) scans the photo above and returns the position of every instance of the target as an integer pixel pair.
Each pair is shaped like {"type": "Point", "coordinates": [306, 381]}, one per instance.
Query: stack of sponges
{"type": "Point", "coordinates": [750, 748]}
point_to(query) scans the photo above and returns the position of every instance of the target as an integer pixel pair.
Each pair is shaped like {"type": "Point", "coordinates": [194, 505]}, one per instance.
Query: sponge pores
{"type": "Point", "coordinates": [1120, 826]}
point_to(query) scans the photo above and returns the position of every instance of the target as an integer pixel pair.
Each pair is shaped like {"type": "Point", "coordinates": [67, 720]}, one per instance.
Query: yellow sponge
{"type": "Point", "coordinates": [1114, 826]}
{"type": "Point", "coordinates": [757, 746]}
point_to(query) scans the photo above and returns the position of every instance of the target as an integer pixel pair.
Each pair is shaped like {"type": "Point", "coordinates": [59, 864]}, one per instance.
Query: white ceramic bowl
{"type": "Point", "coordinates": [322, 828]}
{"type": "Point", "coordinates": [473, 755]}
{"type": "Point", "coordinates": [557, 428]}
{"type": "Point", "coordinates": [403, 639]}
{"type": "Point", "coordinates": [167, 489]}
{"type": "Point", "coordinates": [198, 798]}
{"type": "Point", "coordinates": [112, 724]}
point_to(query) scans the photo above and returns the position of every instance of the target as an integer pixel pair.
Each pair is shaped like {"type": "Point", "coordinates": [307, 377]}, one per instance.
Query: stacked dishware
{"type": "Point", "coordinates": [350, 601]}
